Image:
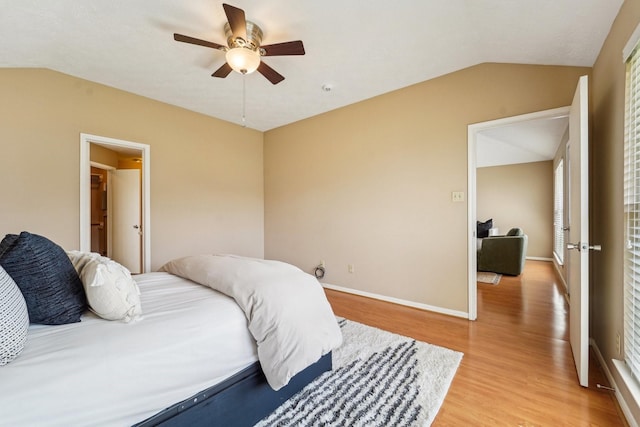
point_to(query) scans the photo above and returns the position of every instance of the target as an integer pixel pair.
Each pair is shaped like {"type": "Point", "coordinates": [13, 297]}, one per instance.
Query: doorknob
{"type": "Point", "coordinates": [584, 247]}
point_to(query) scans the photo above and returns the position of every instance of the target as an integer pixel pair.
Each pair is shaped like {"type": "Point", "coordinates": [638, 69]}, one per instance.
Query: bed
{"type": "Point", "coordinates": [190, 358]}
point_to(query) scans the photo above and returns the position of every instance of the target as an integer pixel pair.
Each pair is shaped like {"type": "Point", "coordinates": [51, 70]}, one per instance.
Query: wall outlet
{"type": "Point", "coordinates": [457, 196]}
{"type": "Point", "coordinates": [350, 268]}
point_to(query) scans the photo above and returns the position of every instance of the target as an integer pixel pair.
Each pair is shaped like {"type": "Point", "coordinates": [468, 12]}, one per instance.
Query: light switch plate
{"type": "Point", "coordinates": [457, 196]}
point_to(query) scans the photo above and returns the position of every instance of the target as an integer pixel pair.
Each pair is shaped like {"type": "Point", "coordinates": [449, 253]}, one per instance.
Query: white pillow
{"type": "Point", "coordinates": [14, 319]}
{"type": "Point", "coordinates": [111, 291]}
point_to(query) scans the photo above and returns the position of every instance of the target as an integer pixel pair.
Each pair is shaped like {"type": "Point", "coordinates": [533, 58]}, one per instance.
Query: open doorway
{"type": "Point", "coordinates": [116, 206]}
{"type": "Point", "coordinates": [501, 142]}
{"type": "Point", "coordinates": [126, 166]}
{"type": "Point", "coordinates": [100, 216]}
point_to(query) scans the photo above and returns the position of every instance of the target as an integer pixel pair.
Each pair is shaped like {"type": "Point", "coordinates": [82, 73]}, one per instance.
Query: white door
{"type": "Point", "coordinates": [126, 211]}
{"type": "Point", "coordinates": [579, 246]}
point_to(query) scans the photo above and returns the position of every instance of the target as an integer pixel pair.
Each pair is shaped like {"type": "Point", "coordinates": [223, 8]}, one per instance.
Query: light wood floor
{"type": "Point", "coordinates": [517, 368]}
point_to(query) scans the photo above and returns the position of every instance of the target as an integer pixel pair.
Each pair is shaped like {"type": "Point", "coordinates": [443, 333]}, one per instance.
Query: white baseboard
{"type": "Point", "coordinates": [566, 287]}
{"type": "Point", "coordinates": [619, 397]}
{"type": "Point", "coordinates": [398, 301]}
{"type": "Point", "coordinates": [539, 258]}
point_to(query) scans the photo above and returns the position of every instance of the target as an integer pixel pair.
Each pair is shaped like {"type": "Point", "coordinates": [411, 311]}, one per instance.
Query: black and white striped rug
{"type": "Point", "coordinates": [378, 379]}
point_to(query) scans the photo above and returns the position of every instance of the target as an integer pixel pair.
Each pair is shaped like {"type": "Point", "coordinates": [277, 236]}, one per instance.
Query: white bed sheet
{"type": "Point", "coordinates": [100, 372]}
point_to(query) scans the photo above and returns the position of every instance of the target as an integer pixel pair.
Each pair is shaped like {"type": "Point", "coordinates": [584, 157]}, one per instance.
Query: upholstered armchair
{"type": "Point", "coordinates": [503, 254]}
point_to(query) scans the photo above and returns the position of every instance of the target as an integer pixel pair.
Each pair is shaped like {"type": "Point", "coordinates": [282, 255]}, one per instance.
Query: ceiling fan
{"type": "Point", "coordinates": [243, 50]}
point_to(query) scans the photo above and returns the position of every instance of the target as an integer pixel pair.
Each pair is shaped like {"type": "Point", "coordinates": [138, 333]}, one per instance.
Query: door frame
{"type": "Point", "coordinates": [85, 191]}
{"type": "Point", "coordinates": [472, 243]}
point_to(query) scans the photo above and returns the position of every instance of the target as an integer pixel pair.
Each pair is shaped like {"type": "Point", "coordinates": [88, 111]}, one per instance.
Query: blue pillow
{"type": "Point", "coordinates": [7, 242]}
{"type": "Point", "coordinates": [483, 228]}
{"type": "Point", "coordinates": [43, 272]}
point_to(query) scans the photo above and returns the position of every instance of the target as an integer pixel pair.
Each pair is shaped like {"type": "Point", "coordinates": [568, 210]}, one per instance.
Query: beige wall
{"type": "Point", "coordinates": [607, 145]}
{"type": "Point", "coordinates": [206, 174]}
{"type": "Point", "coordinates": [370, 184]}
{"type": "Point", "coordinates": [519, 196]}
{"type": "Point", "coordinates": [103, 155]}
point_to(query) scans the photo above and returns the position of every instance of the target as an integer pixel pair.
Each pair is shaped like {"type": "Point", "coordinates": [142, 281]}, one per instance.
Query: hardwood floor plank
{"type": "Point", "coordinates": [517, 368]}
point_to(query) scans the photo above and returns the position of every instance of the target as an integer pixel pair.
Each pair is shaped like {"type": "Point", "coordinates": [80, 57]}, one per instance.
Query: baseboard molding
{"type": "Point", "coordinates": [619, 397]}
{"type": "Point", "coordinates": [539, 258]}
{"type": "Point", "coordinates": [399, 301]}
{"type": "Point", "coordinates": [564, 283]}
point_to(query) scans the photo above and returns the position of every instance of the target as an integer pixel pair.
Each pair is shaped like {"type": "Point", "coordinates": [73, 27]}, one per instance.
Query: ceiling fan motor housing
{"type": "Point", "coordinates": [254, 37]}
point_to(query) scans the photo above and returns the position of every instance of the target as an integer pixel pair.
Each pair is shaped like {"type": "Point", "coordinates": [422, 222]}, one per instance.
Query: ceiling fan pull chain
{"type": "Point", "coordinates": [244, 100]}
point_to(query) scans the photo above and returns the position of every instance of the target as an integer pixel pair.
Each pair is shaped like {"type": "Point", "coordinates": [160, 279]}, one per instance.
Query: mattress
{"type": "Point", "coordinates": [100, 372]}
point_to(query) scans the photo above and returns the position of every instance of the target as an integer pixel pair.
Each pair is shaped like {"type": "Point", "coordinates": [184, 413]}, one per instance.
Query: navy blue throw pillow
{"type": "Point", "coordinates": [483, 228]}
{"type": "Point", "coordinates": [7, 242]}
{"type": "Point", "coordinates": [47, 279]}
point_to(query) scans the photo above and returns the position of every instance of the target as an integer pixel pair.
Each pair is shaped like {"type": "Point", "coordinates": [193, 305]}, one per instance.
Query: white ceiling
{"type": "Point", "coordinates": [526, 141]}
{"type": "Point", "coordinates": [360, 48]}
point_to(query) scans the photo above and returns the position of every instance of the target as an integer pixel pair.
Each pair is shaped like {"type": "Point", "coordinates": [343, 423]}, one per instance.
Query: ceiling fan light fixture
{"type": "Point", "coordinates": [243, 60]}
{"type": "Point", "coordinates": [245, 49]}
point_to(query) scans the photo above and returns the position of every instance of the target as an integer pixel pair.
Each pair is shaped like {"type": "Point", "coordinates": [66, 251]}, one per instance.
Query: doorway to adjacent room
{"type": "Point", "coordinates": [117, 220]}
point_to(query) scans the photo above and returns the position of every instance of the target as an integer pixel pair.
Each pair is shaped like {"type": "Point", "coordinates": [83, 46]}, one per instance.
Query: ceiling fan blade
{"type": "Point", "coordinates": [272, 75]}
{"type": "Point", "coordinates": [223, 71]}
{"type": "Point", "coordinates": [192, 40]}
{"type": "Point", "coordinates": [286, 48]}
{"type": "Point", "coordinates": [237, 21]}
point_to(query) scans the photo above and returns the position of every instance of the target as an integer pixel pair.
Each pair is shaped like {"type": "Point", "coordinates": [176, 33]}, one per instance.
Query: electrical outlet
{"type": "Point", "coordinates": [350, 268]}
{"type": "Point", "coordinates": [457, 196]}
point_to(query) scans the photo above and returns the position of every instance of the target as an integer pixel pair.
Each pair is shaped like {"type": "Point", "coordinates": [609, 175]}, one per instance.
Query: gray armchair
{"type": "Point", "coordinates": [504, 254]}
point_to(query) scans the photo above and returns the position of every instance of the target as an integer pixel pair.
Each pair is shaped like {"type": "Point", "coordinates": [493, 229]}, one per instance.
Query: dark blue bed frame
{"type": "Point", "coordinates": [242, 400]}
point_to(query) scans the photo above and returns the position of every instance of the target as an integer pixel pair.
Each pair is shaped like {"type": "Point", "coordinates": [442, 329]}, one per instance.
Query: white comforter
{"type": "Point", "coordinates": [288, 313]}
{"type": "Point", "coordinates": [107, 373]}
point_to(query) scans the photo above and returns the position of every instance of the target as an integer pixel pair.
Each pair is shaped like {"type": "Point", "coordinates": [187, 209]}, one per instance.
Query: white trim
{"type": "Point", "coordinates": [85, 201]}
{"type": "Point", "coordinates": [539, 258]}
{"type": "Point", "coordinates": [632, 386]}
{"type": "Point", "coordinates": [556, 260]}
{"type": "Point", "coordinates": [631, 44]}
{"type": "Point", "coordinates": [621, 400]}
{"type": "Point", "coordinates": [101, 166]}
{"type": "Point", "coordinates": [537, 115]}
{"type": "Point", "coordinates": [560, 274]}
{"type": "Point", "coordinates": [472, 243]}
{"type": "Point", "coordinates": [399, 301]}
{"type": "Point", "coordinates": [472, 131]}
{"type": "Point", "coordinates": [85, 186]}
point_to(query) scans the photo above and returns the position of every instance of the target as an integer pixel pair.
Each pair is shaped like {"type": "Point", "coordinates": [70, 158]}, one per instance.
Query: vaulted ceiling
{"type": "Point", "coordinates": [357, 49]}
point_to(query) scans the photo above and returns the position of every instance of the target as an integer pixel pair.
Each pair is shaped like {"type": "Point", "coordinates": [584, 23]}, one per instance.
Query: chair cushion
{"type": "Point", "coordinates": [50, 285]}
{"type": "Point", "coordinates": [14, 319]}
{"type": "Point", "coordinates": [516, 231]}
